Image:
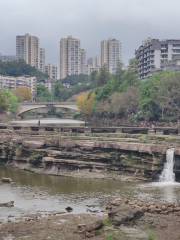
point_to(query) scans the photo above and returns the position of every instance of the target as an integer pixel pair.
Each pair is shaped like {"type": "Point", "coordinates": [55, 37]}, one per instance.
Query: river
{"type": "Point", "coordinates": [34, 193]}
{"type": "Point", "coordinates": [44, 194]}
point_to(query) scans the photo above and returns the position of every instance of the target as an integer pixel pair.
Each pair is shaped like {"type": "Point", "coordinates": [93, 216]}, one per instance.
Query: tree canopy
{"type": "Point", "coordinates": [23, 94]}
{"type": "Point", "coordinates": [8, 101]}
{"type": "Point", "coordinates": [125, 96]}
{"type": "Point", "coordinates": [20, 68]}
{"type": "Point", "coordinates": [43, 94]}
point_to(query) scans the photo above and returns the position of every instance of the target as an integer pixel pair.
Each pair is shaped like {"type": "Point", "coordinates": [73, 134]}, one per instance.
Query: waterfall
{"type": "Point", "coordinates": [167, 174]}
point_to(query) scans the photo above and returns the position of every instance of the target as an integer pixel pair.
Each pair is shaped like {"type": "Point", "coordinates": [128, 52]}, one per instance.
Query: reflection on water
{"type": "Point", "coordinates": [35, 193]}
{"type": "Point", "coordinates": [161, 191]}
{"type": "Point", "coordinates": [61, 185]}
{"type": "Point", "coordinates": [169, 194]}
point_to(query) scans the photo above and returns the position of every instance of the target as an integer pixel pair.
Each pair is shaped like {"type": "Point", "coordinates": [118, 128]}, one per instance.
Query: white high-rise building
{"type": "Point", "coordinates": [111, 54]}
{"type": "Point", "coordinates": [42, 59]}
{"type": "Point", "coordinates": [83, 61]}
{"type": "Point", "coordinates": [70, 57]}
{"type": "Point", "coordinates": [51, 71]}
{"type": "Point", "coordinates": [27, 49]}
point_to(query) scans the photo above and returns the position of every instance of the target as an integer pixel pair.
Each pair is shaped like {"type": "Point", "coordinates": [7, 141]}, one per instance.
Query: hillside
{"type": "Point", "coordinates": [20, 68]}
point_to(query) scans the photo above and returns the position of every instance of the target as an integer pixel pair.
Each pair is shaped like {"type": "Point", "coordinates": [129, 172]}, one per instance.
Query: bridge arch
{"type": "Point", "coordinates": [33, 106]}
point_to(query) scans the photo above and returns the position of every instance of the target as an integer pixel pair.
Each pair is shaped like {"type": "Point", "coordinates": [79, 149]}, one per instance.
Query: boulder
{"type": "Point", "coordinates": [6, 180]}
{"type": "Point", "coordinates": [90, 234]}
{"type": "Point", "coordinates": [124, 214]}
{"type": "Point", "coordinates": [33, 144]}
{"type": "Point", "coordinates": [69, 209]}
{"type": "Point", "coordinates": [90, 229]}
{"type": "Point", "coordinates": [116, 202]}
{"type": "Point", "coordinates": [48, 159]}
{"type": "Point", "coordinates": [8, 204]}
{"type": "Point", "coordinates": [81, 228]}
{"type": "Point", "coordinates": [94, 226]}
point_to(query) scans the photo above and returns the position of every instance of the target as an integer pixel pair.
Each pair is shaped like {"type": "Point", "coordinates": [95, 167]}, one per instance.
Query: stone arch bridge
{"type": "Point", "coordinates": [26, 107]}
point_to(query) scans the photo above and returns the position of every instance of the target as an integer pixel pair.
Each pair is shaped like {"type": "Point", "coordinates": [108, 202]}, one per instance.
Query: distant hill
{"type": "Point", "coordinates": [20, 68]}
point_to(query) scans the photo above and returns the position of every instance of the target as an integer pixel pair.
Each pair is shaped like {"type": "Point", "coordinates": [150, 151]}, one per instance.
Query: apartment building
{"type": "Point", "coordinates": [9, 82]}
{"type": "Point", "coordinates": [27, 49]}
{"type": "Point", "coordinates": [51, 71]}
{"type": "Point", "coordinates": [42, 59]}
{"type": "Point", "coordinates": [83, 64]}
{"type": "Point", "coordinates": [70, 57]}
{"type": "Point", "coordinates": [93, 65]}
{"type": "Point", "coordinates": [157, 55]}
{"type": "Point", "coordinates": [111, 54]}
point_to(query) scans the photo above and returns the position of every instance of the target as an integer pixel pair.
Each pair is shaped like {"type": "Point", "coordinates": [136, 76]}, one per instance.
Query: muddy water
{"type": "Point", "coordinates": [34, 193]}
{"type": "Point", "coordinates": [43, 194]}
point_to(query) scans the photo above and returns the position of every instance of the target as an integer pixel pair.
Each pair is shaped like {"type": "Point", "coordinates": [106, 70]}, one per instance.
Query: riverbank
{"type": "Point", "coordinates": [124, 220]}
{"type": "Point", "coordinates": [66, 227]}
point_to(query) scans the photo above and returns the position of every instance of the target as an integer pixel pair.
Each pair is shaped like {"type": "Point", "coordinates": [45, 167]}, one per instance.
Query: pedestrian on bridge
{"type": "Point", "coordinates": [39, 123]}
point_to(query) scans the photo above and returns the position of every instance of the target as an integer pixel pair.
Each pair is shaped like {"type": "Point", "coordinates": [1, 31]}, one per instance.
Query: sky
{"type": "Point", "coordinates": [130, 21]}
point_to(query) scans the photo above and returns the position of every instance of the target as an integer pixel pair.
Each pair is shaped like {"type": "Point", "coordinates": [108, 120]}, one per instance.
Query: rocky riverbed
{"type": "Point", "coordinates": [124, 219]}
{"type": "Point", "coordinates": [66, 227]}
{"type": "Point", "coordinates": [158, 220]}
{"type": "Point", "coordinates": [131, 158]}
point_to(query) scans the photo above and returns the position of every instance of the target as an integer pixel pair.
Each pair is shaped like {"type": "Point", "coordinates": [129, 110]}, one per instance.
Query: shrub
{"type": "Point", "coordinates": [36, 159]}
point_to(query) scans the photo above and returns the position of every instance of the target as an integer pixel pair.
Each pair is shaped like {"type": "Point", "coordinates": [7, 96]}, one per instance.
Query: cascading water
{"type": "Point", "coordinates": [167, 174]}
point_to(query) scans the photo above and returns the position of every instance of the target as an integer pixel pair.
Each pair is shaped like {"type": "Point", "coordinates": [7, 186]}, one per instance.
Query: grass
{"type": "Point", "coordinates": [107, 222]}
{"type": "Point", "coordinates": [151, 236]}
{"type": "Point", "coordinates": [110, 237]}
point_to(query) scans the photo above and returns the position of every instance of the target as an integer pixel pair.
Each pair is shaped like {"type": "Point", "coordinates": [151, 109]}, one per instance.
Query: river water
{"type": "Point", "coordinates": [34, 193]}
{"type": "Point", "coordinates": [44, 194]}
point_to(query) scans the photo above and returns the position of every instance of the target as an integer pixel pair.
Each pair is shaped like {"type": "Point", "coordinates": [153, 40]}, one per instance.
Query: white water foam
{"type": "Point", "coordinates": [168, 175]}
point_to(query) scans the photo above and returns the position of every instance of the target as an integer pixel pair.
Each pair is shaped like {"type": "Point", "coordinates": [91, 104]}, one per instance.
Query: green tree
{"type": "Point", "coordinates": [148, 99]}
{"type": "Point", "coordinates": [103, 77]}
{"type": "Point", "coordinates": [8, 101]}
{"type": "Point", "coordinates": [168, 95]}
{"type": "Point", "coordinates": [3, 102]}
{"type": "Point", "coordinates": [43, 94]}
{"type": "Point", "coordinates": [61, 93]}
{"type": "Point", "coordinates": [133, 65]}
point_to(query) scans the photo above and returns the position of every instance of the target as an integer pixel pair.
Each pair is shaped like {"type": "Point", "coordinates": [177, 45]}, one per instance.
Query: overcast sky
{"type": "Point", "coordinates": [131, 21]}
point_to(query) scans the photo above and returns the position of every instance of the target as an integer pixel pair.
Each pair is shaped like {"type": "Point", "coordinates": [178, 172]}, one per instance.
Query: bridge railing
{"type": "Point", "coordinates": [47, 103]}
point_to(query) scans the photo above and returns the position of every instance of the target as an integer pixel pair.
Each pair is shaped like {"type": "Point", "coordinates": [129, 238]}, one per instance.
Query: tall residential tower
{"type": "Point", "coordinates": [70, 57]}
{"type": "Point", "coordinates": [42, 59]}
{"type": "Point", "coordinates": [111, 55]}
{"type": "Point", "coordinates": [27, 49]}
{"type": "Point", "coordinates": [83, 61]}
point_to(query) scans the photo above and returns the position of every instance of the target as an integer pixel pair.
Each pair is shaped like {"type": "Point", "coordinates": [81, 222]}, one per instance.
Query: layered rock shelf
{"type": "Point", "coordinates": [100, 155]}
